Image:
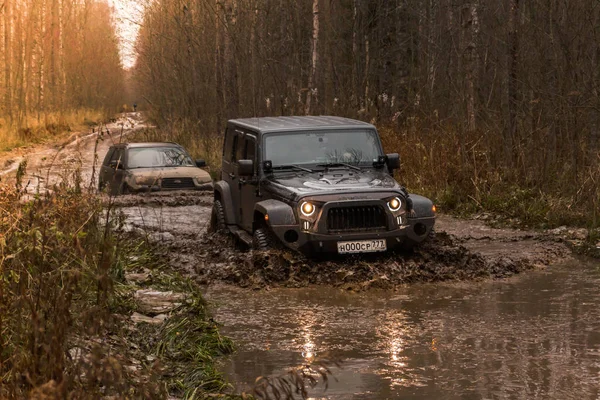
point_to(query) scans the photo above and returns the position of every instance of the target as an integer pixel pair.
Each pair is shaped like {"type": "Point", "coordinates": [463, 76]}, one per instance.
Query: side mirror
{"type": "Point", "coordinates": [116, 164]}
{"type": "Point", "coordinates": [393, 161]}
{"type": "Point", "coordinates": [245, 167]}
{"type": "Point", "coordinates": [200, 163]}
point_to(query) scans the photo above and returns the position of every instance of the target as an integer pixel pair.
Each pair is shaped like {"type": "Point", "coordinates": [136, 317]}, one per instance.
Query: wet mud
{"type": "Point", "coordinates": [444, 257]}
{"type": "Point", "coordinates": [460, 250]}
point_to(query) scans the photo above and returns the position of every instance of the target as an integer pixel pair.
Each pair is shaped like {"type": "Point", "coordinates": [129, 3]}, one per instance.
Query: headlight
{"type": "Point", "coordinates": [395, 204]}
{"type": "Point", "coordinates": [307, 209]}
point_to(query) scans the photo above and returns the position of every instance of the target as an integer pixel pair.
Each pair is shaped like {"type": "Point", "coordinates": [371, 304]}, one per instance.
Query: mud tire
{"type": "Point", "coordinates": [263, 239]}
{"type": "Point", "coordinates": [217, 218]}
{"type": "Point", "coordinates": [124, 189]}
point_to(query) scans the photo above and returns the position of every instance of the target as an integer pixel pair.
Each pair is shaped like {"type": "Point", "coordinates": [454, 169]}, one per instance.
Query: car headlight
{"type": "Point", "coordinates": [395, 204]}
{"type": "Point", "coordinates": [307, 209]}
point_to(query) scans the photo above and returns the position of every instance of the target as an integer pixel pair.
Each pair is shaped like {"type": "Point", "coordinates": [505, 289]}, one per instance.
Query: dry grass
{"type": "Point", "coordinates": [64, 306]}
{"type": "Point", "coordinates": [48, 126]}
{"type": "Point", "coordinates": [465, 173]}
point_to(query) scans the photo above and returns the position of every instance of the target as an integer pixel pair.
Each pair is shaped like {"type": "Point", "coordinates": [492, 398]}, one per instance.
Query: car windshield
{"type": "Point", "coordinates": [353, 147]}
{"type": "Point", "coordinates": [148, 157]}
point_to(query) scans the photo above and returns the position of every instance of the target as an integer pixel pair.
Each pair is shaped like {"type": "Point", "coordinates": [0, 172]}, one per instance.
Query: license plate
{"type": "Point", "coordinates": [362, 246]}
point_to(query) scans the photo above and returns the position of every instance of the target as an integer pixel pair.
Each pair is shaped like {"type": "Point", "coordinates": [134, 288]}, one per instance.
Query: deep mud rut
{"type": "Point", "coordinates": [460, 250]}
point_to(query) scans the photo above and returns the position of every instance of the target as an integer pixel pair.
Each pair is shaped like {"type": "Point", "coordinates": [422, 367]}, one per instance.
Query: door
{"type": "Point", "coordinates": [229, 173]}
{"type": "Point", "coordinates": [248, 184]}
{"type": "Point", "coordinates": [106, 172]}
{"type": "Point", "coordinates": [116, 171]}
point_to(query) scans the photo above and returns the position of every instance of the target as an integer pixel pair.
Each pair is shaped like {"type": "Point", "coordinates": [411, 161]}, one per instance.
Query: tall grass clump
{"type": "Point", "coordinates": [465, 172]}
{"type": "Point", "coordinates": [57, 254]}
{"type": "Point", "coordinates": [40, 127]}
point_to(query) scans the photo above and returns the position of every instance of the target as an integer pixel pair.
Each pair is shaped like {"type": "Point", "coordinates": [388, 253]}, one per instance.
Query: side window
{"type": "Point", "coordinates": [117, 155]}
{"type": "Point", "coordinates": [229, 133]}
{"type": "Point", "coordinates": [108, 156]}
{"type": "Point", "coordinates": [234, 148]}
{"type": "Point", "coordinates": [250, 149]}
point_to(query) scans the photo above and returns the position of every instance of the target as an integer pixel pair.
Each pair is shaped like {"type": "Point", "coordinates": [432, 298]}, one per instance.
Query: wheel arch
{"type": "Point", "coordinates": [222, 192]}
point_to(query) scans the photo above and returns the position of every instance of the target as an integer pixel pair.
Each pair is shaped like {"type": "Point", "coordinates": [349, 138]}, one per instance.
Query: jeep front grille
{"type": "Point", "coordinates": [177, 183]}
{"type": "Point", "coordinates": [356, 218]}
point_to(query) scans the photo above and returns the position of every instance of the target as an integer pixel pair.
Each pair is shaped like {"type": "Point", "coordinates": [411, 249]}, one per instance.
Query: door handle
{"type": "Point", "coordinates": [231, 175]}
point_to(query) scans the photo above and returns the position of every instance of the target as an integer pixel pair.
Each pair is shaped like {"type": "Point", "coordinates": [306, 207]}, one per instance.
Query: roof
{"type": "Point", "coordinates": [148, 144]}
{"type": "Point", "coordinates": [279, 124]}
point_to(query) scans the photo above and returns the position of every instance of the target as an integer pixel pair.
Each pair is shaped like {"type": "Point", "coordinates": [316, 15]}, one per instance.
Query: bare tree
{"type": "Point", "coordinates": [312, 93]}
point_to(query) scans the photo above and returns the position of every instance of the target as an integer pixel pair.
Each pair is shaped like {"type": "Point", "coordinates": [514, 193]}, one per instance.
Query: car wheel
{"type": "Point", "coordinates": [217, 217]}
{"type": "Point", "coordinates": [101, 186]}
{"type": "Point", "coordinates": [124, 189]}
{"type": "Point", "coordinates": [262, 239]}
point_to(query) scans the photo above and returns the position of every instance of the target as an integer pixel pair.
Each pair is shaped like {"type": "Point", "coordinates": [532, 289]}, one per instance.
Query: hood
{"type": "Point", "coordinates": [170, 172]}
{"type": "Point", "coordinates": [335, 180]}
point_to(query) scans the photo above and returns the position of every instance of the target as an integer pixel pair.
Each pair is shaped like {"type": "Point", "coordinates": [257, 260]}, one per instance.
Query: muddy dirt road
{"type": "Point", "coordinates": [52, 163]}
{"type": "Point", "coordinates": [480, 331]}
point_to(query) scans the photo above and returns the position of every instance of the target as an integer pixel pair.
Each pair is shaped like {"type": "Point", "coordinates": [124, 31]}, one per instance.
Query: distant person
{"type": "Point", "coordinates": [134, 107]}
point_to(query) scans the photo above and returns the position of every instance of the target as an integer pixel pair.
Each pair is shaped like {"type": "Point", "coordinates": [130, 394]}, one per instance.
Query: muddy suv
{"type": "Point", "coordinates": [316, 185]}
{"type": "Point", "coordinates": [144, 167]}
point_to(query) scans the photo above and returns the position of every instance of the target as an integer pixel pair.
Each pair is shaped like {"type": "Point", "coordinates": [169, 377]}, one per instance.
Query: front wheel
{"type": "Point", "coordinates": [217, 217]}
{"type": "Point", "coordinates": [263, 239]}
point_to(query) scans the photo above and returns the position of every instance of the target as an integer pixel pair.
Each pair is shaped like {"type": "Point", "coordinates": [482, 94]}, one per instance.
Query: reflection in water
{"type": "Point", "coordinates": [308, 349]}
{"type": "Point", "coordinates": [536, 336]}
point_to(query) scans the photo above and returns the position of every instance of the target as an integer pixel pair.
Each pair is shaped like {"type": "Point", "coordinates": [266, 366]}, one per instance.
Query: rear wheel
{"type": "Point", "coordinates": [217, 217]}
{"type": "Point", "coordinates": [124, 189]}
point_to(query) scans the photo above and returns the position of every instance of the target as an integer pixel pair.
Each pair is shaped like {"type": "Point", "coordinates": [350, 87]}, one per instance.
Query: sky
{"type": "Point", "coordinates": [128, 15]}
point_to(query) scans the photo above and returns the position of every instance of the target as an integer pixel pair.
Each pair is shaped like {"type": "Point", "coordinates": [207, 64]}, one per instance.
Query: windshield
{"type": "Point", "coordinates": [148, 157]}
{"type": "Point", "coordinates": [325, 147]}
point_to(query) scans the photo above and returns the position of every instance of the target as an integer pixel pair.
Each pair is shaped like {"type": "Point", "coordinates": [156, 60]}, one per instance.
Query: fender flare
{"type": "Point", "coordinates": [279, 212]}
{"type": "Point", "coordinates": [422, 206]}
{"type": "Point", "coordinates": [223, 192]}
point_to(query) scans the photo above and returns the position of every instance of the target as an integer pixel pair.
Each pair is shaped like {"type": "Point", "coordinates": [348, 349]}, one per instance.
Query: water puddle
{"type": "Point", "coordinates": [536, 335]}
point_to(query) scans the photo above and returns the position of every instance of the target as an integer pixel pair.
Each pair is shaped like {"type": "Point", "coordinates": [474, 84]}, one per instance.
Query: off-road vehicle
{"type": "Point", "coordinates": [316, 185]}
{"type": "Point", "coordinates": [139, 167]}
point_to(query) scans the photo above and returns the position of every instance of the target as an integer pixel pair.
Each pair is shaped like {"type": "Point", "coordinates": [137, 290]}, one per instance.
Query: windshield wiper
{"type": "Point", "coordinates": [293, 166]}
{"type": "Point", "coordinates": [339, 164]}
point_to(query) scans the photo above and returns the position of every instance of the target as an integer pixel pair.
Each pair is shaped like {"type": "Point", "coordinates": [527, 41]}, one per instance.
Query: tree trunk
{"type": "Point", "coordinates": [232, 98]}
{"type": "Point", "coordinates": [7, 59]}
{"type": "Point", "coordinates": [510, 129]}
{"type": "Point", "coordinates": [472, 65]}
{"type": "Point", "coordinates": [312, 93]}
{"type": "Point", "coordinates": [354, 96]}
{"type": "Point", "coordinates": [218, 68]}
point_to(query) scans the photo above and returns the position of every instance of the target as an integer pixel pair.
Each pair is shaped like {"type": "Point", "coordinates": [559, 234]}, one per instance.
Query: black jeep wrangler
{"type": "Point", "coordinates": [316, 185]}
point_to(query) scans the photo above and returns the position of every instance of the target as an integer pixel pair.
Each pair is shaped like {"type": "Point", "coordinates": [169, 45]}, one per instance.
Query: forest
{"type": "Point", "coordinates": [494, 104]}
{"type": "Point", "coordinates": [60, 65]}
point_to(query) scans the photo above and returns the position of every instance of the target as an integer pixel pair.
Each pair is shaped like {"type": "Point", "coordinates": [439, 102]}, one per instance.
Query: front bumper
{"type": "Point", "coordinates": [156, 187]}
{"type": "Point", "coordinates": [415, 231]}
